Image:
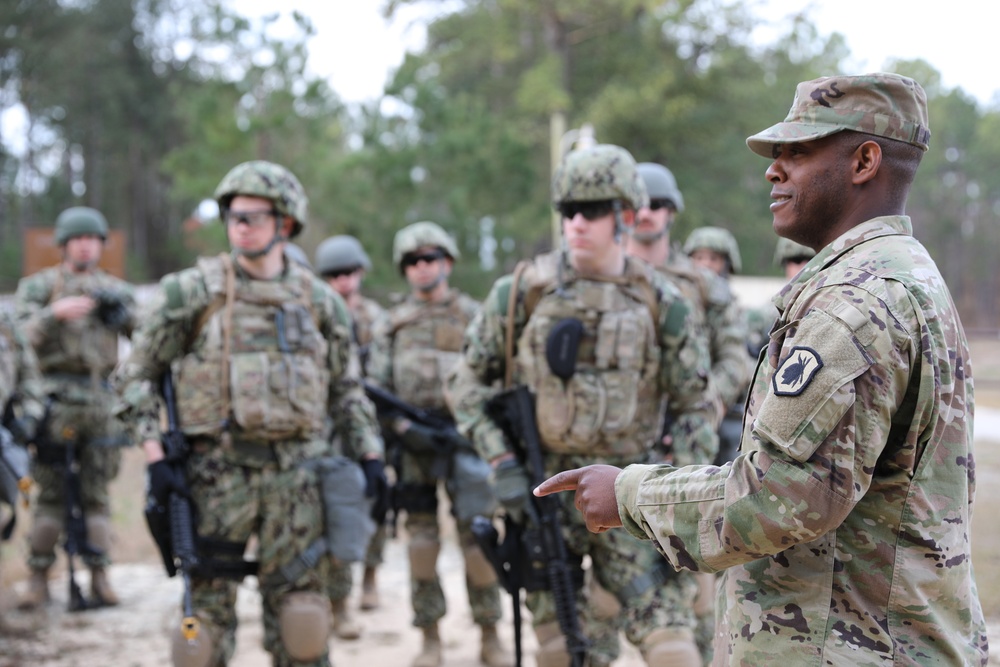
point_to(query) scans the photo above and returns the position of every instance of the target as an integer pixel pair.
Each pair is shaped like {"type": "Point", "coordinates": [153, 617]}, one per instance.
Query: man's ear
{"type": "Point", "coordinates": [628, 217]}
{"type": "Point", "coordinates": [865, 162]}
{"type": "Point", "coordinates": [287, 226]}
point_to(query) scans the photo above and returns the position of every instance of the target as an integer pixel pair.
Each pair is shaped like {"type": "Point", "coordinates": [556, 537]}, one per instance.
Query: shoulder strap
{"type": "Point", "coordinates": [508, 373]}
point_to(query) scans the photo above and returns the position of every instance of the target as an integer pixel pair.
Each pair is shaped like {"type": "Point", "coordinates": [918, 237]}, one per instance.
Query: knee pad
{"type": "Point", "coordinates": [704, 602]}
{"type": "Point", "coordinates": [99, 532]}
{"type": "Point", "coordinates": [198, 652]}
{"type": "Point", "coordinates": [423, 550]}
{"type": "Point", "coordinates": [44, 534]}
{"type": "Point", "coordinates": [552, 650]}
{"type": "Point", "coordinates": [603, 603]}
{"type": "Point", "coordinates": [304, 625]}
{"type": "Point", "coordinates": [481, 574]}
{"type": "Point", "coordinates": [671, 647]}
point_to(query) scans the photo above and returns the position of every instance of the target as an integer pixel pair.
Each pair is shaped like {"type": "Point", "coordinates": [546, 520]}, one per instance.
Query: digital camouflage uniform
{"type": "Point", "coordinates": [411, 357]}
{"type": "Point", "coordinates": [639, 348]}
{"type": "Point", "coordinates": [21, 385]}
{"type": "Point", "coordinates": [259, 368]}
{"type": "Point", "coordinates": [843, 527]}
{"type": "Point", "coordinates": [76, 359]}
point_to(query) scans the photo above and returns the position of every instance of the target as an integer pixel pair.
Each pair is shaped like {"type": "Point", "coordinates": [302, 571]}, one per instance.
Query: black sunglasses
{"type": "Point", "coordinates": [412, 259]}
{"type": "Point", "coordinates": [336, 273]}
{"type": "Point", "coordinates": [590, 210]}
{"type": "Point", "coordinates": [657, 204]}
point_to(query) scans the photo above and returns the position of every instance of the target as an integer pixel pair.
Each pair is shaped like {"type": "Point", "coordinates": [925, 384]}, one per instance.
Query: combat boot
{"type": "Point", "coordinates": [430, 654]}
{"type": "Point", "coordinates": [344, 624]}
{"type": "Point", "coordinates": [100, 588]}
{"type": "Point", "coordinates": [369, 591]}
{"type": "Point", "coordinates": [492, 651]}
{"type": "Point", "coordinates": [38, 591]}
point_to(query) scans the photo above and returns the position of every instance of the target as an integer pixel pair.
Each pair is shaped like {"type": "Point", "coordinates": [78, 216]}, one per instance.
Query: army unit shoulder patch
{"type": "Point", "coordinates": [796, 372]}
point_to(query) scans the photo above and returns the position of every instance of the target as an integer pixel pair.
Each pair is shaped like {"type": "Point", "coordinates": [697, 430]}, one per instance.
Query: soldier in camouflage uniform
{"type": "Point", "coordinates": [723, 320]}
{"type": "Point", "coordinates": [72, 314]}
{"type": "Point", "coordinates": [640, 348]}
{"type": "Point", "coordinates": [342, 263]}
{"type": "Point", "coordinates": [262, 358]}
{"type": "Point", "coordinates": [410, 356]}
{"type": "Point", "coordinates": [843, 526]}
{"type": "Point", "coordinates": [21, 404]}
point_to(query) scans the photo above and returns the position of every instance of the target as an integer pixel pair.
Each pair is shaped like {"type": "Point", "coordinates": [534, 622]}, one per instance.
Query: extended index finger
{"type": "Point", "coordinates": [567, 480]}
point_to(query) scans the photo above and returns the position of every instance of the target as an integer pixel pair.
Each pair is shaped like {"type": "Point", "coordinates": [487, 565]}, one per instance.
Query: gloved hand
{"type": "Point", "coordinates": [163, 479]}
{"type": "Point", "coordinates": [23, 430]}
{"type": "Point", "coordinates": [420, 439]}
{"type": "Point", "coordinates": [511, 487]}
{"type": "Point", "coordinates": [376, 482]}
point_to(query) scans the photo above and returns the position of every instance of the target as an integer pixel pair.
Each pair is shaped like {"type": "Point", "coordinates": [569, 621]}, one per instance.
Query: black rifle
{"type": "Point", "coordinates": [76, 529]}
{"type": "Point", "coordinates": [537, 557]}
{"type": "Point", "coordinates": [173, 526]}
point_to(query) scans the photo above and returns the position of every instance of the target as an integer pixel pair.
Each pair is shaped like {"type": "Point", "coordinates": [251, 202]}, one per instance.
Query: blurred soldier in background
{"type": "Point", "coordinates": [791, 257]}
{"type": "Point", "coordinates": [21, 405]}
{"type": "Point", "coordinates": [411, 357]}
{"type": "Point", "coordinates": [72, 314]}
{"type": "Point", "coordinates": [279, 339]}
{"type": "Point", "coordinates": [342, 263]}
{"type": "Point", "coordinates": [718, 312]}
{"type": "Point", "coordinates": [636, 348]}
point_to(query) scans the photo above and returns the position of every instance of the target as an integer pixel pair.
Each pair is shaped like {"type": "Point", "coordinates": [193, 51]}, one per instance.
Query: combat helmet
{"type": "Point", "coordinates": [718, 239]}
{"type": "Point", "coordinates": [599, 173]}
{"type": "Point", "coordinates": [788, 250]}
{"type": "Point", "coordinates": [661, 184]}
{"type": "Point", "coordinates": [421, 234]}
{"type": "Point", "coordinates": [80, 221]}
{"type": "Point", "coordinates": [341, 253]}
{"type": "Point", "coordinates": [259, 178]}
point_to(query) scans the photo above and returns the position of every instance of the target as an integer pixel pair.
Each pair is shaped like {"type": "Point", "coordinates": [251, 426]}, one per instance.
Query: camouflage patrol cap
{"type": "Point", "coordinates": [718, 239]}
{"type": "Point", "coordinates": [259, 178]}
{"type": "Point", "coordinates": [886, 105]}
{"type": "Point", "coordinates": [599, 173]}
{"type": "Point", "coordinates": [339, 253]}
{"type": "Point", "coordinates": [661, 184]}
{"type": "Point", "coordinates": [80, 221]}
{"type": "Point", "coordinates": [421, 234]}
{"type": "Point", "coordinates": [787, 249]}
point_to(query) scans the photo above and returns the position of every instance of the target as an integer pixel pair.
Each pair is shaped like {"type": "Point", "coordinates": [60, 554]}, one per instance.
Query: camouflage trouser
{"type": "Point", "coordinates": [651, 594]}
{"type": "Point", "coordinates": [426, 595]}
{"type": "Point", "coordinates": [340, 581]}
{"type": "Point", "coordinates": [284, 509]}
{"type": "Point", "coordinates": [97, 438]}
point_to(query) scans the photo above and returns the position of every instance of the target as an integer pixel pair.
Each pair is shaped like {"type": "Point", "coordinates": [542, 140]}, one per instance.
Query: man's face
{"type": "Point", "coordinates": [347, 282]}
{"type": "Point", "coordinates": [712, 260]}
{"type": "Point", "coordinates": [250, 222]}
{"type": "Point", "coordinates": [84, 251]}
{"type": "Point", "coordinates": [426, 267]}
{"type": "Point", "coordinates": [589, 230]}
{"type": "Point", "coordinates": [653, 222]}
{"type": "Point", "coordinates": [809, 182]}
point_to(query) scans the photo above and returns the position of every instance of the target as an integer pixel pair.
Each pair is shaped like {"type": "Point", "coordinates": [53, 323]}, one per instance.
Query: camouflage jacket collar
{"type": "Point", "coordinates": [890, 225]}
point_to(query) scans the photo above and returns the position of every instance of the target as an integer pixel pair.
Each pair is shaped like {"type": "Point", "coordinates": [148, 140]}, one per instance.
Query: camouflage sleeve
{"type": "Point", "coordinates": [731, 364]}
{"type": "Point", "coordinates": [159, 339]}
{"type": "Point", "coordinates": [684, 379]}
{"type": "Point", "coordinates": [814, 445]}
{"type": "Point", "coordinates": [31, 307]}
{"type": "Point", "coordinates": [479, 372]}
{"type": "Point", "coordinates": [29, 378]}
{"type": "Point", "coordinates": [353, 414]}
{"type": "Point", "coordinates": [379, 367]}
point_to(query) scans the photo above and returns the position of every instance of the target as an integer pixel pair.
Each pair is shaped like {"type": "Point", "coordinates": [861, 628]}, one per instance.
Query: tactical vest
{"type": "Point", "coordinates": [426, 343]}
{"type": "Point", "coordinates": [257, 365]}
{"type": "Point", "coordinates": [611, 405]}
{"type": "Point", "coordinates": [8, 361]}
{"type": "Point", "coordinates": [83, 346]}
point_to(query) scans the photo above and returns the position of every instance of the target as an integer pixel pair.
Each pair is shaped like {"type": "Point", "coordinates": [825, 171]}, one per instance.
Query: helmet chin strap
{"type": "Point", "coordinates": [619, 221]}
{"type": "Point", "coordinates": [432, 285]}
{"type": "Point", "coordinates": [276, 239]}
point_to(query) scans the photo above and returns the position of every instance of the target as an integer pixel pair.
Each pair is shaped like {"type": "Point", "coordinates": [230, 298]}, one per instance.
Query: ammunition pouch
{"type": "Point", "coordinates": [658, 576]}
{"type": "Point", "coordinates": [416, 498]}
